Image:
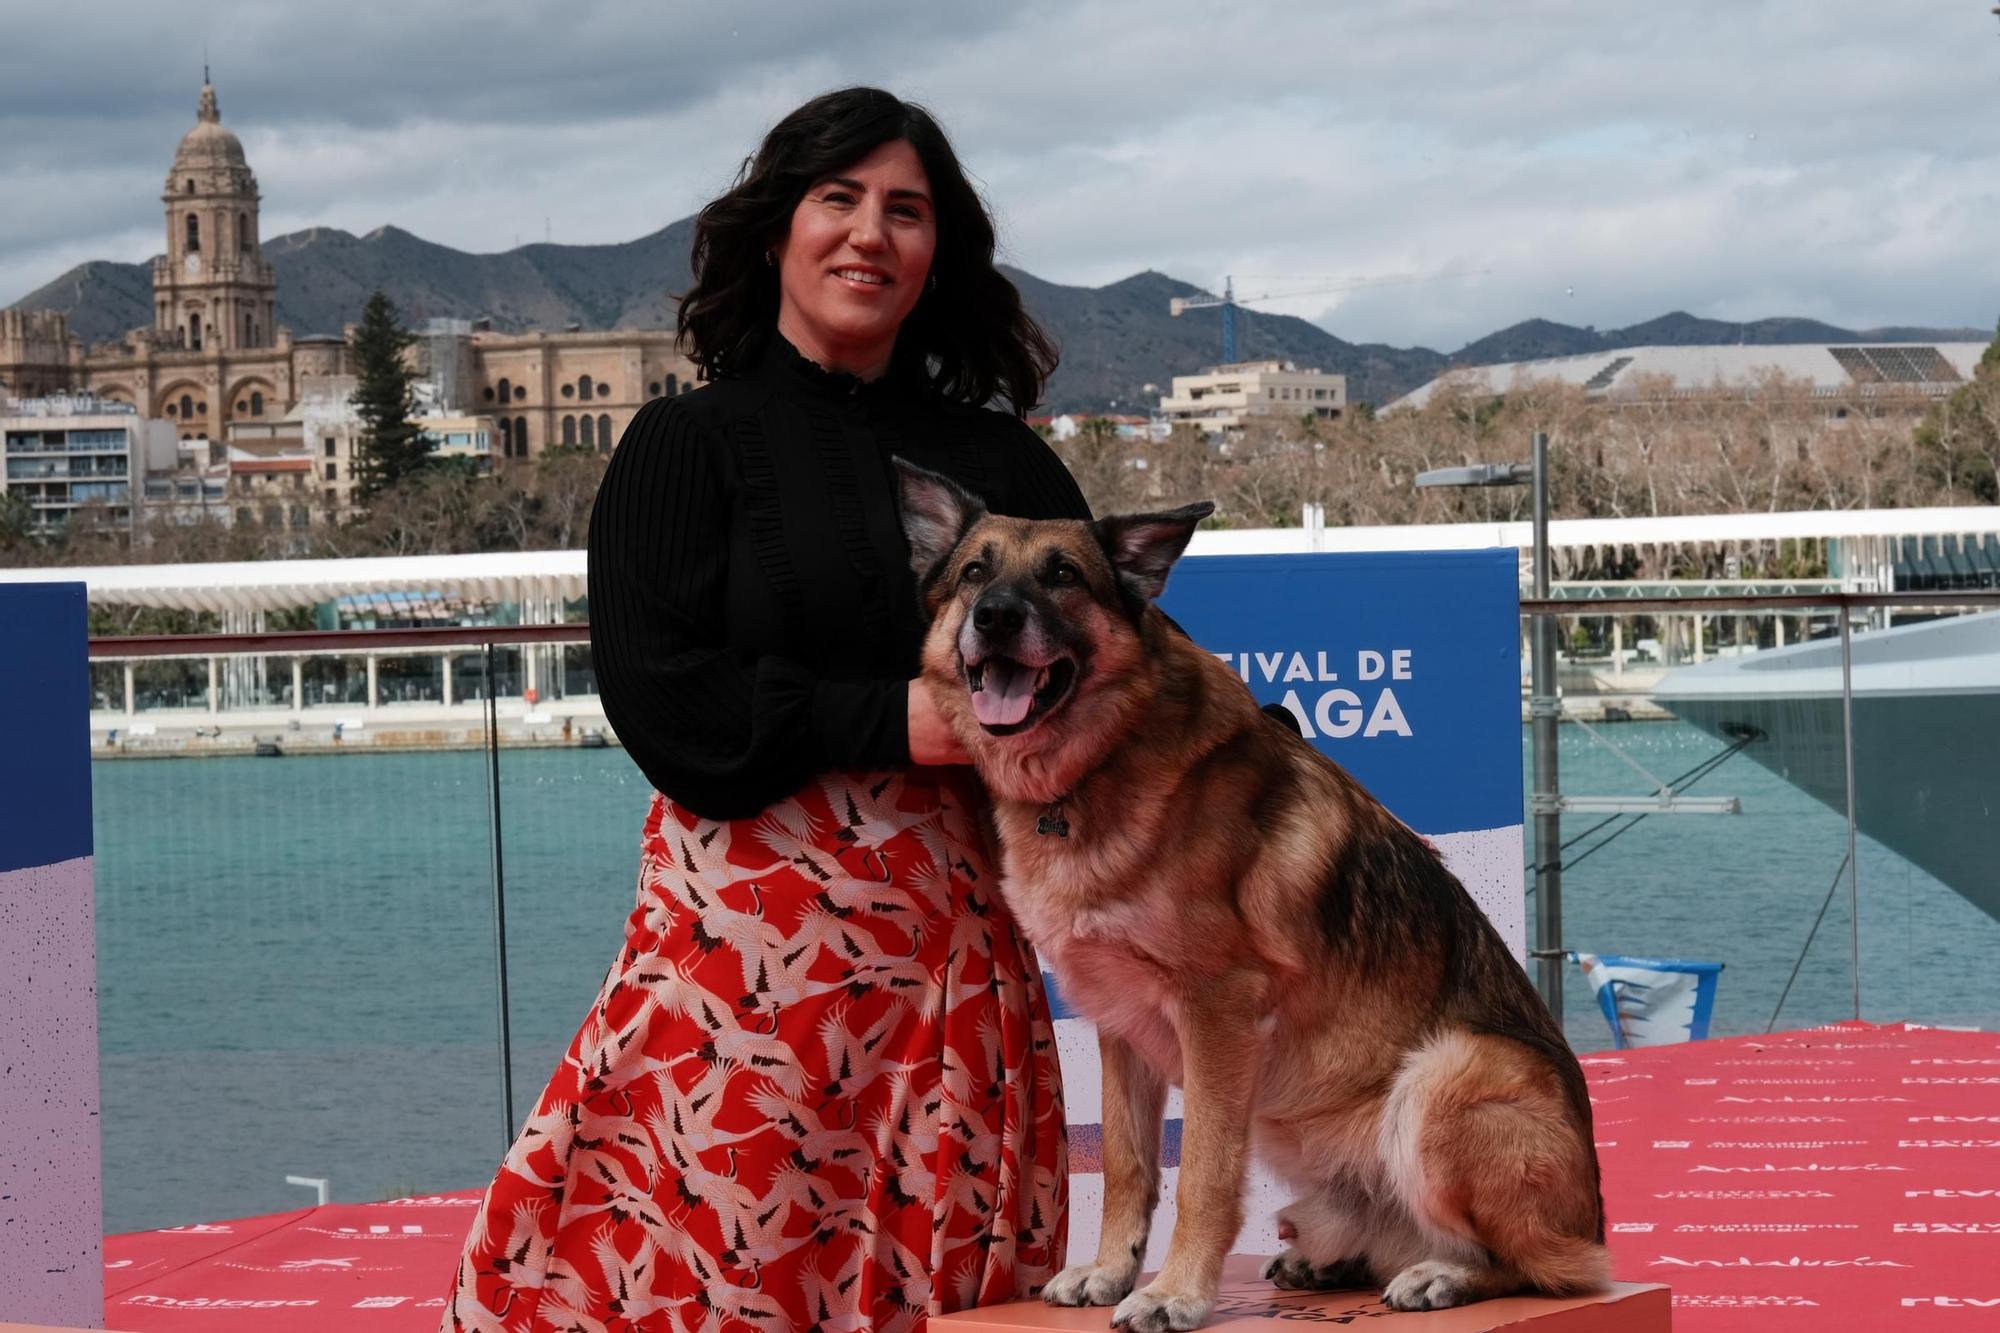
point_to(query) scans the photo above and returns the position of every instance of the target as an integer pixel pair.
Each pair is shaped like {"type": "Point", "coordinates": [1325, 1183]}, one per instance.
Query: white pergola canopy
{"type": "Point", "coordinates": [272, 585]}
{"type": "Point", "coordinates": [545, 576]}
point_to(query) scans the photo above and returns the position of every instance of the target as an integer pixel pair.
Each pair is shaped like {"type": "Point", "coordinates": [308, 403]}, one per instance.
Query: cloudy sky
{"type": "Point", "coordinates": [1423, 172]}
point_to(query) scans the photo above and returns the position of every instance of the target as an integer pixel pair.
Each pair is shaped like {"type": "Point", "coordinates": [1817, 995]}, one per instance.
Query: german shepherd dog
{"type": "Point", "coordinates": [1239, 917]}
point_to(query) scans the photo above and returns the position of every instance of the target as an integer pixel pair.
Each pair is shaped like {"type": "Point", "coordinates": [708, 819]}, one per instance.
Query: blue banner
{"type": "Point", "coordinates": [1402, 667]}
{"type": "Point", "coordinates": [45, 720]}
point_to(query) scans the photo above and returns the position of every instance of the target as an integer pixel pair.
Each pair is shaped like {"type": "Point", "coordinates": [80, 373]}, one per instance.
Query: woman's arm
{"type": "Point", "coordinates": [719, 734]}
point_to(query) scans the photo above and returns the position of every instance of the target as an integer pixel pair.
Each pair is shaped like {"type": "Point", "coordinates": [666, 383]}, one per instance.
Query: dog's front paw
{"type": "Point", "coordinates": [1090, 1284]}
{"type": "Point", "coordinates": [1292, 1271]}
{"type": "Point", "coordinates": [1431, 1285]}
{"type": "Point", "coordinates": [1153, 1310]}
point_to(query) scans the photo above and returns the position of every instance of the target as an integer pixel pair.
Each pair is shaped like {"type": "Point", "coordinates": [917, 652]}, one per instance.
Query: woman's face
{"type": "Point", "coordinates": [853, 265]}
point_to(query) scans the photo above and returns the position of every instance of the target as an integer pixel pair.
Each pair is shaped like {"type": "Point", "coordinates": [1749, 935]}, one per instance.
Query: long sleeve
{"type": "Point", "coordinates": [720, 734]}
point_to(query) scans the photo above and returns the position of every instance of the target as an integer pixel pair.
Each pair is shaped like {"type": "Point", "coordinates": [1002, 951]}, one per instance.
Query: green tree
{"type": "Point", "coordinates": [1958, 443]}
{"type": "Point", "coordinates": [17, 522]}
{"type": "Point", "coordinates": [391, 446]}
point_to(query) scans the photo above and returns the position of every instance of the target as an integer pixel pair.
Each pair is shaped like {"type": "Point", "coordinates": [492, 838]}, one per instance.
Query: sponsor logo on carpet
{"type": "Point", "coordinates": [1767, 1228]}
{"type": "Point", "coordinates": [1954, 1302]}
{"type": "Point", "coordinates": [211, 1303]}
{"type": "Point", "coordinates": [1795, 1261]}
{"type": "Point", "coordinates": [1789, 1143]}
{"type": "Point", "coordinates": [1948, 1228]}
{"type": "Point", "coordinates": [1811, 1101]}
{"type": "Point", "coordinates": [1746, 1194]}
{"type": "Point", "coordinates": [1718, 1301]}
{"type": "Point", "coordinates": [1803, 1166]}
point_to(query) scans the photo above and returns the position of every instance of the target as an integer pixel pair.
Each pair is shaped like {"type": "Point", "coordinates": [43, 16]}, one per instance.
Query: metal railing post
{"type": "Point", "coordinates": [1847, 747]}
{"type": "Point", "coordinates": [1544, 709]}
{"type": "Point", "coordinates": [499, 905]}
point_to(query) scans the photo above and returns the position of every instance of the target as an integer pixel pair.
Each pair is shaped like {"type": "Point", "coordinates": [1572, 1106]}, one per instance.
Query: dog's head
{"type": "Point", "coordinates": [1032, 623]}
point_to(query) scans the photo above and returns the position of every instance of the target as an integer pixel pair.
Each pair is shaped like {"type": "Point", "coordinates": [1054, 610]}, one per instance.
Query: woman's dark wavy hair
{"type": "Point", "coordinates": [968, 335]}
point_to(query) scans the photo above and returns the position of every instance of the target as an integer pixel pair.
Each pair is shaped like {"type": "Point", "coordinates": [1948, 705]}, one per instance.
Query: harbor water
{"type": "Point", "coordinates": [296, 956]}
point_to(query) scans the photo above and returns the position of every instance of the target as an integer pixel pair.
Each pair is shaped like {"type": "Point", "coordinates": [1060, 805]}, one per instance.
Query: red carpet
{"type": "Point", "coordinates": [1843, 1177]}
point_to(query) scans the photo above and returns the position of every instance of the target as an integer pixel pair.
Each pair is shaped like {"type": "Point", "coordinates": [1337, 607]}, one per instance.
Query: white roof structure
{"type": "Point", "coordinates": [272, 585]}
{"type": "Point", "coordinates": [1865, 535]}
{"type": "Point", "coordinates": [1894, 369]}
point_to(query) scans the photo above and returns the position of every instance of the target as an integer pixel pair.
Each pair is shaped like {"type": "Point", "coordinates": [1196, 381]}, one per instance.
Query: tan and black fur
{"type": "Point", "coordinates": [1239, 917]}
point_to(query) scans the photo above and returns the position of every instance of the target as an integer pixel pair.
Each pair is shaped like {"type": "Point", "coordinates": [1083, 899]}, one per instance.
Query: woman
{"type": "Point", "coordinates": [819, 1086]}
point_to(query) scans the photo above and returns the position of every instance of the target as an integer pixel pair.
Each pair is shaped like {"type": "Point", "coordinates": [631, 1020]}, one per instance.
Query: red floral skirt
{"type": "Point", "coordinates": [818, 1089]}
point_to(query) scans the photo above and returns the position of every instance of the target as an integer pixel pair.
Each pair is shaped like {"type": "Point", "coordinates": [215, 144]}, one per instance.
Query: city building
{"type": "Point", "coordinates": [1221, 398]}
{"type": "Point", "coordinates": [63, 453]}
{"type": "Point", "coordinates": [216, 359]}
{"type": "Point", "coordinates": [1892, 376]}
{"type": "Point", "coordinates": [331, 428]}
{"type": "Point", "coordinates": [1065, 426]}
{"type": "Point", "coordinates": [461, 436]}
{"type": "Point", "coordinates": [195, 489]}
{"type": "Point", "coordinates": [270, 479]}
{"type": "Point", "coordinates": [569, 390]}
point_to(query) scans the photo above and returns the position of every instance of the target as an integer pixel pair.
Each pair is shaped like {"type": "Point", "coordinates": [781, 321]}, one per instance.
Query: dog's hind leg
{"type": "Point", "coordinates": [1327, 1234]}
{"type": "Point", "coordinates": [1135, 1098]}
{"type": "Point", "coordinates": [1478, 1144]}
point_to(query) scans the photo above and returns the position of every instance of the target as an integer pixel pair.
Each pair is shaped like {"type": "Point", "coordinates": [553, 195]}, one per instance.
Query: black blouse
{"type": "Point", "coordinates": [753, 617]}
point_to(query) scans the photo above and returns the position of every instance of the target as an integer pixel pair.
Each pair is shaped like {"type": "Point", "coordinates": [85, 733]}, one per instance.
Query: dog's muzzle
{"type": "Point", "coordinates": [1007, 695]}
{"type": "Point", "coordinates": [1013, 672]}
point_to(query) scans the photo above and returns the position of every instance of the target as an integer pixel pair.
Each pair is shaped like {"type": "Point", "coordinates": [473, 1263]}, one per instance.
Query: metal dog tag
{"type": "Point", "coordinates": [1053, 822]}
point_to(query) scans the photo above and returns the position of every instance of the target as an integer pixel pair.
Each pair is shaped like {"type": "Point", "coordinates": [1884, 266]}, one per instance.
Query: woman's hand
{"type": "Point", "coordinates": [932, 741]}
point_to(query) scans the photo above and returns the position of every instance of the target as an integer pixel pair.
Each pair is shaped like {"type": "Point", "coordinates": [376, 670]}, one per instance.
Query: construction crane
{"type": "Point", "coordinates": [1179, 305]}
{"type": "Point", "coordinates": [1229, 302]}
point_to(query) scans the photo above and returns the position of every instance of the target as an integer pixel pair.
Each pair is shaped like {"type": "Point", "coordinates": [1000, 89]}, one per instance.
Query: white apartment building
{"type": "Point", "coordinates": [63, 453]}
{"type": "Point", "coordinates": [459, 436]}
{"type": "Point", "coordinates": [331, 428]}
{"type": "Point", "coordinates": [1221, 397]}
{"type": "Point", "coordinates": [195, 490]}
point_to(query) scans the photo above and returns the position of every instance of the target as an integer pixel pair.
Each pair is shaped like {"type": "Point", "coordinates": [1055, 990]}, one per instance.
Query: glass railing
{"type": "Point", "coordinates": [305, 842]}
{"type": "Point", "coordinates": [1757, 702]}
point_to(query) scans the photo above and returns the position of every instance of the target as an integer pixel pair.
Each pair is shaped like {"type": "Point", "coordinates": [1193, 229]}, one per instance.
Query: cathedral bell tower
{"type": "Point", "coordinates": [213, 291]}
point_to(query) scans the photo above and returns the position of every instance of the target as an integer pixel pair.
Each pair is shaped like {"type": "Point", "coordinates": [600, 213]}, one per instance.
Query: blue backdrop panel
{"type": "Point", "coordinates": [44, 725]}
{"type": "Point", "coordinates": [1405, 667]}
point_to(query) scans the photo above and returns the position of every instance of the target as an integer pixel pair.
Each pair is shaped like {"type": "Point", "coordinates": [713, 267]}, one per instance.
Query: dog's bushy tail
{"type": "Point", "coordinates": [1565, 1266]}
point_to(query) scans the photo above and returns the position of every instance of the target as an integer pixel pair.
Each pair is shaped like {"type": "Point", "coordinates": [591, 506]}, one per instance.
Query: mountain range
{"type": "Point", "coordinates": [1120, 345]}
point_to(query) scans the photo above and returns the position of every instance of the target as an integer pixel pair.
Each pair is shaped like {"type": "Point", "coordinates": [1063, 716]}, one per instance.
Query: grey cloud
{"type": "Point", "coordinates": [1823, 158]}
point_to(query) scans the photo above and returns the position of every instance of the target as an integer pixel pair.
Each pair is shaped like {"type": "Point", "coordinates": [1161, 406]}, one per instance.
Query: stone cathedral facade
{"type": "Point", "coordinates": [215, 356]}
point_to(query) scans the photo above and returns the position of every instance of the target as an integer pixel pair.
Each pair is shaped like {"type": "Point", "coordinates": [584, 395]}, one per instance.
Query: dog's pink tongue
{"type": "Point", "coordinates": [1008, 693]}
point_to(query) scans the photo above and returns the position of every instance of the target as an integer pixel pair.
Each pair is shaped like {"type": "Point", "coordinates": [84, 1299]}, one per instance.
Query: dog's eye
{"type": "Point", "coordinates": [1067, 574]}
{"type": "Point", "coordinates": [974, 571]}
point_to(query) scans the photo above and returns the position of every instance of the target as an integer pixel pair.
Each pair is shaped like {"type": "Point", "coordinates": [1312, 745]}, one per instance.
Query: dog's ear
{"type": "Point", "coordinates": [936, 513]}
{"type": "Point", "coordinates": [1143, 547]}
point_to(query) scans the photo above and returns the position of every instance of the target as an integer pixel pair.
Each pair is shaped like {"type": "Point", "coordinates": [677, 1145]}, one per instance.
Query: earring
{"type": "Point", "coordinates": [768, 261]}
{"type": "Point", "coordinates": [930, 283]}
